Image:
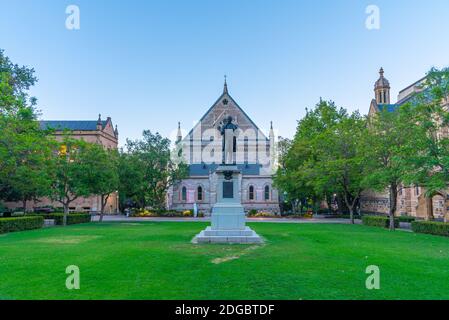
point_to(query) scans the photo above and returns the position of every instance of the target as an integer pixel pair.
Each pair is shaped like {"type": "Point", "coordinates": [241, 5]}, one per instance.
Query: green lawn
{"type": "Point", "coordinates": [155, 260]}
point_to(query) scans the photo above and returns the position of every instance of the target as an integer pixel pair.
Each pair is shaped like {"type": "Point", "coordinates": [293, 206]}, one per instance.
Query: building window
{"type": "Point", "coordinates": [184, 194]}
{"type": "Point", "coordinates": [251, 193]}
{"type": "Point", "coordinates": [199, 194]}
{"type": "Point", "coordinates": [267, 193]}
{"type": "Point", "coordinates": [211, 138]}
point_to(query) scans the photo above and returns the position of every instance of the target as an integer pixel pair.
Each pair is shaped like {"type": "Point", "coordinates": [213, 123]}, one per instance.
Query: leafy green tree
{"type": "Point", "coordinates": [24, 148]}
{"type": "Point", "coordinates": [326, 157]}
{"type": "Point", "coordinates": [430, 161]}
{"type": "Point", "coordinates": [15, 81]}
{"type": "Point", "coordinates": [390, 140]}
{"type": "Point", "coordinates": [339, 164]}
{"type": "Point", "coordinates": [101, 175]}
{"type": "Point", "coordinates": [31, 163]}
{"type": "Point", "coordinates": [70, 172]}
{"type": "Point", "coordinates": [132, 184]}
{"type": "Point", "coordinates": [147, 170]}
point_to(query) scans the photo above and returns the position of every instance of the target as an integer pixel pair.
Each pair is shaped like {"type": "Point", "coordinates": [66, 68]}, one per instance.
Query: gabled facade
{"type": "Point", "coordinates": [202, 151]}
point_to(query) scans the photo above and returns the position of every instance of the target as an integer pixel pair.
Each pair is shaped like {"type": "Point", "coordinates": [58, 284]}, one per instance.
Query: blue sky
{"type": "Point", "coordinates": [150, 64]}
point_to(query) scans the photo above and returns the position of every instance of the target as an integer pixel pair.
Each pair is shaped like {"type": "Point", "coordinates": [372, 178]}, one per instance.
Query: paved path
{"type": "Point", "coordinates": [121, 218]}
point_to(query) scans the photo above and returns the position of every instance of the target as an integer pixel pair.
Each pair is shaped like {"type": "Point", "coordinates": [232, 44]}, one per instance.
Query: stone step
{"type": "Point", "coordinates": [247, 232]}
{"type": "Point", "coordinates": [220, 239]}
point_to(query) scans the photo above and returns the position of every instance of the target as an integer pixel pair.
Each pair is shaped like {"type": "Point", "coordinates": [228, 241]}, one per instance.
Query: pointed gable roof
{"type": "Point", "coordinates": [226, 95]}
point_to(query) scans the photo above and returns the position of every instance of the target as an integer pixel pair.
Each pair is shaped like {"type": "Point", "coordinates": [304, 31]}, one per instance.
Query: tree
{"type": "Point", "coordinates": [24, 148]}
{"type": "Point", "coordinates": [149, 163]}
{"type": "Point", "coordinates": [32, 153]}
{"type": "Point", "coordinates": [101, 176]}
{"type": "Point", "coordinates": [70, 173]}
{"type": "Point", "coordinates": [430, 161]}
{"type": "Point", "coordinates": [339, 159]}
{"type": "Point", "coordinates": [390, 138]}
{"type": "Point", "coordinates": [324, 157]}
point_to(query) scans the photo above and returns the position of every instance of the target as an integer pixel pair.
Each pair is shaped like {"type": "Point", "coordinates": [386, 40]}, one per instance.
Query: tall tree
{"type": "Point", "coordinates": [32, 152]}
{"type": "Point", "coordinates": [430, 160]}
{"type": "Point", "coordinates": [320, 161]}
{"type": "Point", "coordinates": [101, 176]}
{"type": "Point", "coordinates": [24, 148]}
{"type": "Point", "coordinates": [69, 173]}
{"type": "Point", "coordinates": [149, 161]}
{"type": "Point", "coordinates": [339, 159]}
{"type": "Point", "coordinates": [389, 140]}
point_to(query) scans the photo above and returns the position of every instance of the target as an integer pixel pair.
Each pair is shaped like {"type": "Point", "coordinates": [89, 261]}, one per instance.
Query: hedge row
{"type": "Point", "coordinates": [379, 221]}
{"type": "Point", "coordinates": [20, 224]}
{"type": "Point", "coordinates": [431, 227]}
{"type": "Point", "coordinates": [72, 218]}
{"type": "Point", "coordinates": [406, 219]}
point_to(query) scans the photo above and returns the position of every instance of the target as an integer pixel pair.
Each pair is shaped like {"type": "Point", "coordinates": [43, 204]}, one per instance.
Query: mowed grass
{"type": "Point", "coordinates": [155, 260]}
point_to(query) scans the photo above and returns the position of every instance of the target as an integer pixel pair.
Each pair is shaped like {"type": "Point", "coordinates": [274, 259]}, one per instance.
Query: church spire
{"type": "Point", "coordinates": [179, 134]}
{"type": "Point", "coordinates": [225, 88]}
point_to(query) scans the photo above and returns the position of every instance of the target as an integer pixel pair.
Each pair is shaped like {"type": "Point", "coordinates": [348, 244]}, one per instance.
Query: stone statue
{"type": "Point", "coordinates": [229, 140]}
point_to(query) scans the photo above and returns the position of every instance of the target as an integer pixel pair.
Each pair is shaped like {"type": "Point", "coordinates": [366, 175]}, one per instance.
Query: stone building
{"type": "Point", "coordinates": [93, 131]}
{"type": "Point", "coordinates": [411, 200]}
{"type": "Point", "coordinates": [202, 150]}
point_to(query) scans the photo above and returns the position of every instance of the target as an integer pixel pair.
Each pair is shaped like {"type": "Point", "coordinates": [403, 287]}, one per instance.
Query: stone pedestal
{"type": "Point", "coordinates": [228, 216]}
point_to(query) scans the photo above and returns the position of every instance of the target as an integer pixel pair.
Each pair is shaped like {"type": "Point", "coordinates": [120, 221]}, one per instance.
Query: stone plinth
{"type": "Point", "coordinates": [228, 216]}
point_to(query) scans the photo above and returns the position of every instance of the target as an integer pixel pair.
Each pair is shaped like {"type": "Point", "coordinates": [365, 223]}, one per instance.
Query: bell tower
{"type": "Point", "coordinates": [382, 89]}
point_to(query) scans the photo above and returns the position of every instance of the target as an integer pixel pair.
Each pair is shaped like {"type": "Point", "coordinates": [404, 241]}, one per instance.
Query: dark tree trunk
{"type": "Point", "coordinates": [351, 214]}
{"type": "Point", "coordinates": [393, 200]}
{"type": "Point", "coordinates": [24, 203]}
{"type": "Point", "coordinates": [66, 212]}
{"type": "Point", "coordinates": [104, 200]}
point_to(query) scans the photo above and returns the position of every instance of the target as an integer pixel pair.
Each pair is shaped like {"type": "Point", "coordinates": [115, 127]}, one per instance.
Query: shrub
{"type": "Point", "coordinates": [252, 212]}
{"type": "Point", "coordinates": [264, 215]}
{"type": "Point", "coordinates": [379, 221]}
{"type": "Point", "coordinates": [72, 218]}
{"type": "Point", "coordinates": [406, 219]}
{"type": "Point", "coordinates": [20, 224]}
{"type": "Point", "coordinates": [187, 213]}
{"type": "Point", "coordinates": [18, 214]}
{"type": "Point", "coordinates": [431, 227]}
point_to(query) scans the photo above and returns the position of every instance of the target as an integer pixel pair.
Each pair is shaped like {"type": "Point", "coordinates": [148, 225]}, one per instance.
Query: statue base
{"type": "Point", "coordinates": [209, 235]}
{"type": "Point", "coordinates": [228, 216]}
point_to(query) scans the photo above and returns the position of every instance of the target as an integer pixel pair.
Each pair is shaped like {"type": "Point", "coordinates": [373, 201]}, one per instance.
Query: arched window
{"type": "Point", "coordinates": [199, 193]}
{"type": "Point", "coordinates": [267, 193]}
{"type": "Point", "coordinates": [251, 193]}
{"type": "Point", "coordinates": [184, 194]}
